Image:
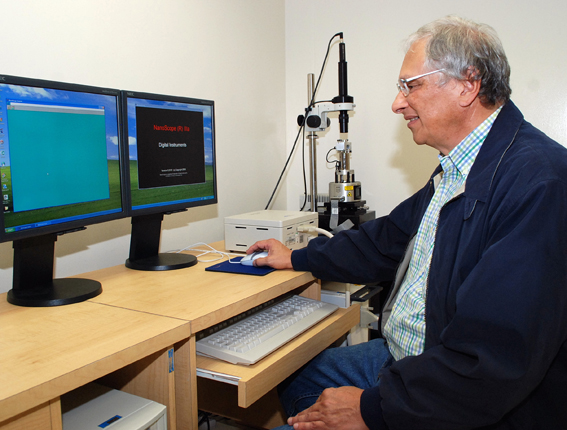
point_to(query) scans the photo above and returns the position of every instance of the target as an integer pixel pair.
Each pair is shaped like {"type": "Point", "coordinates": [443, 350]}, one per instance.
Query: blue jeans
{"type": "Point", "coordinates": [357, 365]}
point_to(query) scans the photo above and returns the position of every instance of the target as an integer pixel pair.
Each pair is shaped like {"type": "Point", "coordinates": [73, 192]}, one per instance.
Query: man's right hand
{"type": "Point", "coordinates": [279, 255]}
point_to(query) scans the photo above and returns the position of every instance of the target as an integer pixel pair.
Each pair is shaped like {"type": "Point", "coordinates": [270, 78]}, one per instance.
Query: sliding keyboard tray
{"type": "Point", "coordinates": [258, 379]}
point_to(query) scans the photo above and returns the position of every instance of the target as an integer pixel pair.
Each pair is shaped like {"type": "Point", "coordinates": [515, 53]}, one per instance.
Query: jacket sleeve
{"type": "Point", "coordinates": [508, 324]}
{"type": "Point", "coordinates": [370, 254]}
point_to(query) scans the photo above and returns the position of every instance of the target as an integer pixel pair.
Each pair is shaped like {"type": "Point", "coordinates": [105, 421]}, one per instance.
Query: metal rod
{"type": "Point", "coordinates": [312, 147]}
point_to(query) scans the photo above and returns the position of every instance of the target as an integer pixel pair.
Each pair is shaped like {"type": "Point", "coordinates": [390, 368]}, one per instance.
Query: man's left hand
{"type": "Point", "coordinates": [336, 408]}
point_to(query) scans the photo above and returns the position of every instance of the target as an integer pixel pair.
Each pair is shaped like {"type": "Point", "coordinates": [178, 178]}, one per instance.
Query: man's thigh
{"type": "Point", "coordinates": [357, 365]}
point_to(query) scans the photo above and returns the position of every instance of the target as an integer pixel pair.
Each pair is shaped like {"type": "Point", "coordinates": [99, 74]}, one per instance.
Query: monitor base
{"type": "Point", "coordinates": [60, 292]}
{"type": "Point", "coordinates": [163, 261]}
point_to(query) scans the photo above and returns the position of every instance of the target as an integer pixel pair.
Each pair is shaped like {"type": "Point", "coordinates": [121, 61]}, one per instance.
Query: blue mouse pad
{"type": "Point", "coordinates": [228, 267]}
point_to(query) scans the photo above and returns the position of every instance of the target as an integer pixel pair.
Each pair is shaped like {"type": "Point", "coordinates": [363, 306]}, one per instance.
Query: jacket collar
{"type": "Point", "coordinates": [499, 139]}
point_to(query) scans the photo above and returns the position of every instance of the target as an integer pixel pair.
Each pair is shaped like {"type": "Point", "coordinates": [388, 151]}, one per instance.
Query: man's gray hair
{"type": "Point", "coordinates": [467, 50]}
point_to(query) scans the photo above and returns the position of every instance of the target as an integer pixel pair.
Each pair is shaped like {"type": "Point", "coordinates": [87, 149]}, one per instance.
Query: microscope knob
{"type": "Point", "coordinates": [314, 121]}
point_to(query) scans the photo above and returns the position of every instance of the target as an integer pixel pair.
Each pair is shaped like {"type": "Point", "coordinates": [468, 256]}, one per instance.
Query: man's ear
{"type": "Point", "coordinates": [471, 87]}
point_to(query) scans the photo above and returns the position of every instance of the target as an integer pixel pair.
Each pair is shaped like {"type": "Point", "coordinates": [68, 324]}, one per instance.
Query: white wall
{"type": "Point", "coordinates": [232, 52]}
{"type": "Point", "coordinates": [385, 159]}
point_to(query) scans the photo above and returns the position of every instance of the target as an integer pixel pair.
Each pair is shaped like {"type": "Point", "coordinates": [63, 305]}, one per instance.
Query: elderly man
{"type": "Point", "coordinates": [475, 325]}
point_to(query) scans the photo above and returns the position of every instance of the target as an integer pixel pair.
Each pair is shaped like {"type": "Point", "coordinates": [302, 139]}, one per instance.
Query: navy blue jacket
{"type": "Point", "coordinates": [496, 308]}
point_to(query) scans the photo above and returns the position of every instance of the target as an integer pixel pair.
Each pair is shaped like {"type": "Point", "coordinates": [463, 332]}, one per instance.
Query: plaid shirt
{"type": "Point", "coordinates": [405, 329]}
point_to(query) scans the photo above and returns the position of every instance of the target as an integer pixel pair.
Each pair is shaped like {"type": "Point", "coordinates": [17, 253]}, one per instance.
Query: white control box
{"type": "Point", "coordinates": [94, 407]}
{"type": "Point", "coordinates": [242, 231]}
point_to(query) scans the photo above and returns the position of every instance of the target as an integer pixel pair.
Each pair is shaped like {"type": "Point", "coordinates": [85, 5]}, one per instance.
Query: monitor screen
{"type": "Point", "coordinates": [59, 158]}
{"type": "Point", "coordinates": [60, 164]}
{"type": "Point", "coordinates": [171, 153]}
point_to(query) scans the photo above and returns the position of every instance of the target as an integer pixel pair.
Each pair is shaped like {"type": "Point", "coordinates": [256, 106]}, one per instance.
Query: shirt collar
{"type": "Point", "coordinates": [462, 157]}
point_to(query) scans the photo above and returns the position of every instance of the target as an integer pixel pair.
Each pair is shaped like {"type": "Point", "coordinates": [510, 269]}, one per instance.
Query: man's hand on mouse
{"type": "Point", "coordinates": [279, 255]}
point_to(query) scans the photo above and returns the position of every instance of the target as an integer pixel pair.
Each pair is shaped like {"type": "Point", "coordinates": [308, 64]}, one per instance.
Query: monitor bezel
{"type": "Point", "coordinates": [166, 208]}
{"type": "Point", "coordinates": [73, 225]}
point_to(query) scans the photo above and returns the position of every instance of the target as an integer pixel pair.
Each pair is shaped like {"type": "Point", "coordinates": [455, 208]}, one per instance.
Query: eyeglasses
{"type": "Point", "coordinates": [403, 83]}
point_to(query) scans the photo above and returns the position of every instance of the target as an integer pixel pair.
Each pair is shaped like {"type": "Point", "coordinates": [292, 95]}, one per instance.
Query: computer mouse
{"type": "Point", "coordinates": [249, 259]}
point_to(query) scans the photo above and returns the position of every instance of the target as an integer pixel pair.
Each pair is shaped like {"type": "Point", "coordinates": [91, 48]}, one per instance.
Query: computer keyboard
{"type": "Point", "coordinates": [254, 336]}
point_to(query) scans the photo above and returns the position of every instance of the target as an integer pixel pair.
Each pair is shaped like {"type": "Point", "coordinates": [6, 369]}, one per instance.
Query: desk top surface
{"type": "Point", "coordinates": [45, 352]}
{"type": "Point", "coordinates": [193, 294]}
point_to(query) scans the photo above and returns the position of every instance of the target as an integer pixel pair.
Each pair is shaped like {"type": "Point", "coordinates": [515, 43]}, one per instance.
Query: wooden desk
{"type": "Point", "coordinates": [138, 314]}
{"type": "Point", "coordinates": [46, 352]}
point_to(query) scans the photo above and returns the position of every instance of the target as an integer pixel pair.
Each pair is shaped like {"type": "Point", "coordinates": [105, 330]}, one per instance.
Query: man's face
{"type": "Point", "coordinates": [432, 111]}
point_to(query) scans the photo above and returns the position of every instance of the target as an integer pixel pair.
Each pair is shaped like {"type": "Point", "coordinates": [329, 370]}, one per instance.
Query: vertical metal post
{"type": "Point", "coordinates": [312, 146]}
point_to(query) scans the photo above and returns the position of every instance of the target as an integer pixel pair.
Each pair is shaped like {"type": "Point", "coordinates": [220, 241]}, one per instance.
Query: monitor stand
{"type": "Point", "coordinates": [33, 284]}
{"type": "Point", "coordinates": [144, 247]}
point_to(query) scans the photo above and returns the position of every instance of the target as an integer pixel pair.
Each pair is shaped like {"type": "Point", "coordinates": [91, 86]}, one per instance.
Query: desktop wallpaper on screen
{"type": "Point", "coordinates": [59, 156]}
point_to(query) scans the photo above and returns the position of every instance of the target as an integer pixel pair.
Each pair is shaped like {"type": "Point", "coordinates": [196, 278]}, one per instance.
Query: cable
{"type": "Point", "coordinates": [336, 162]}
{"type": "Point", "coordinates": [302, 127]}
{"type": "Point", "coordinates": [285, 167]}
{"type": "Point", "coordinates": [210, 250]}
{"type": "Point", "coordinates": [310, 229]}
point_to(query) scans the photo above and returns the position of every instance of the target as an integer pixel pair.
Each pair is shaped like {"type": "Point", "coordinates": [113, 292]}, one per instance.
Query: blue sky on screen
{"type": "Point", "coordinates": [17, 93]}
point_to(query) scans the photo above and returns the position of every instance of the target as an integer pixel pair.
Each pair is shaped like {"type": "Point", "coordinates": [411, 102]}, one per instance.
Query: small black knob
{"type": "Point", "coordinates": [314, 121]}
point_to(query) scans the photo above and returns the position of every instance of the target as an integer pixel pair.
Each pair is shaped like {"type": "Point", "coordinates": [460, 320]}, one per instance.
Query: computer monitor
{"type": "Point", "coordinates": [171, 152]}
{"type": "Point", "coordinates": [60, 167]}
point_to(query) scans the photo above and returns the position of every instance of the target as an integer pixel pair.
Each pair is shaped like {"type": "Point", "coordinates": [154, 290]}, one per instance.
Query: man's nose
{"type": "Point", "coordinates": [399, 103]}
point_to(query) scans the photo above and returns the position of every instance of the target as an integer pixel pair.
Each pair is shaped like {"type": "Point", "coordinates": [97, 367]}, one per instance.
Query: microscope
{"type": "Point", "coordinates": [345, 208]}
